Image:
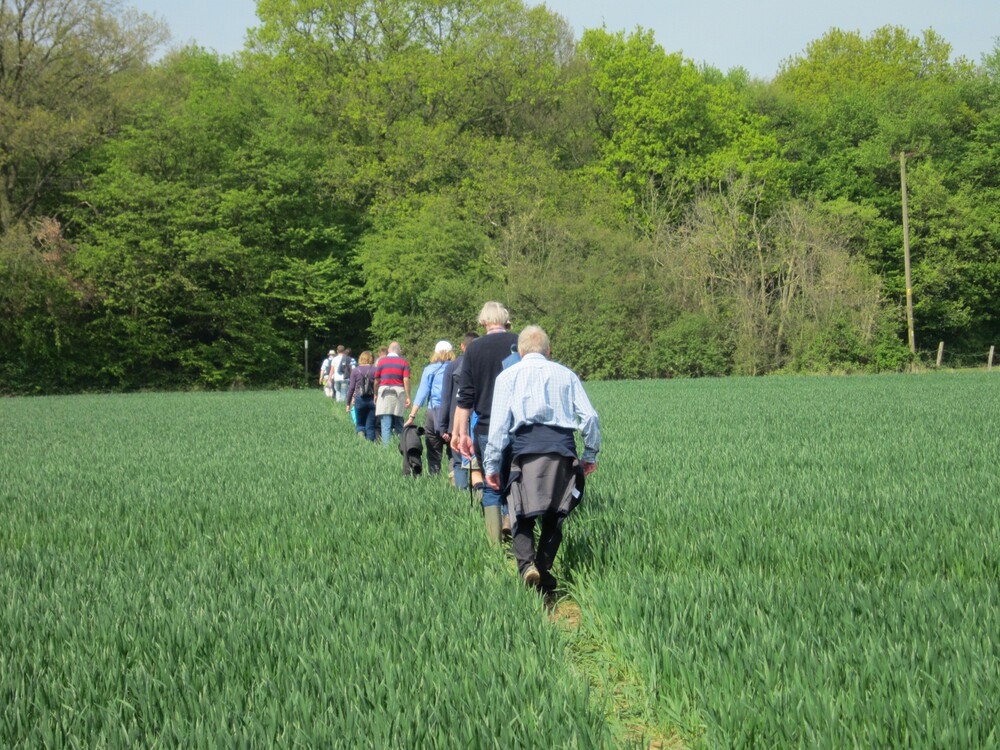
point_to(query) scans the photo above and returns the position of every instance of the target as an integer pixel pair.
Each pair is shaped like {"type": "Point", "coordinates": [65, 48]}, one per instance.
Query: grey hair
{"type": "Point", "coordinates": [395, 348]}
{"type": "Point", "coordinates": [533, 340]}
{"type": "Point", "coordinates": [494, 314]}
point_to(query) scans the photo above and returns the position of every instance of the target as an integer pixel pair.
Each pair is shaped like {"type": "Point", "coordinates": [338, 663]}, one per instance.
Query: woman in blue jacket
{"type": "Point", "coordinates": [429, 394]}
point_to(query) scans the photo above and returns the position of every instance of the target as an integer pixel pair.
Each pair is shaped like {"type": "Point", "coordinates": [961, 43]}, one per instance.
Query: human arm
{"type": "Point", "coordinates": [589, 426]}
{"type": "Point", "coordinates": [447, 389]}
{"type": "Point", "coordinates": [465, 399]}
{"type": "Point", "coordinates": [461, 440]}
{"type": "Point", "coordinates": [406, 390]}
{"type": "Point", "coordinates": [501, 419]}
{"type": "Point", "coordinates": [351, 387]}
{"type": "Point", "coordinates": [423, 394]}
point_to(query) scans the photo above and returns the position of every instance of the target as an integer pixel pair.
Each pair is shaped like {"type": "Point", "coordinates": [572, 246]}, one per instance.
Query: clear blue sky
{"type": "Point", "coordinates": [723, 33]}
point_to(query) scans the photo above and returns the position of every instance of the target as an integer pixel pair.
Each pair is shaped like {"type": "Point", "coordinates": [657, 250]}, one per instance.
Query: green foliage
{"type": "Point", "coordinates": [214, 212]}
{"type": "Point", "coordinates": [663, 121]}
{"type": "Point", "coordinates": [203, 242]}
{"type": "Point", "coordinates": [853, 104]}
{"type": "Point", "coordinates": [41, 305]}
{"type": "Point", "coordinates": [692, 346]}
{"type": "Point", "coordinates": [65, 68]}
{"type": "Point", "coordinates": [841, 347]}
{"type": "Point", "coordinates": [774, 279]}
{"type": "Point", "coordinates": [412, 267]}
{"type": "Point", "coordinates": [581, 276]}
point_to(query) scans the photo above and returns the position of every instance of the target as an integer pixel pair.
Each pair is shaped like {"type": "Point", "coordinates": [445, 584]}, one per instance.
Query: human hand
{"type": "Point", "coordinates": [446, 437]}
{"type": "Point", "coordinates": [462, 444]}
{"type": "Point", "coordinates": [493, 480]}
{"type": "Point", "coordinates": [589, 468]}
{"type": "Point", "coordinates": [406, 405]}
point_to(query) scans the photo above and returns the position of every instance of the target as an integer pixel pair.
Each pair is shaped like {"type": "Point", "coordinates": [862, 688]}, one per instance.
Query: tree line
{"type": "Point", "coordinates": [368, 170]}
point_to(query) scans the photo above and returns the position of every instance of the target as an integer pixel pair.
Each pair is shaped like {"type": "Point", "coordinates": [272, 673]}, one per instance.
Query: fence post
{"type": "Point", "coordinates": [305, 362]}
{"type": "Point", "coordinates": [940, 354]}
{"type": "Point", "coordinates": [989, 365]}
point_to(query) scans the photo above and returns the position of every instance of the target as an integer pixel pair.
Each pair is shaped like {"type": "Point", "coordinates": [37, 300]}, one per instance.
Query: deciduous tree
{"type": "Point", "coordinates": [62, 63]}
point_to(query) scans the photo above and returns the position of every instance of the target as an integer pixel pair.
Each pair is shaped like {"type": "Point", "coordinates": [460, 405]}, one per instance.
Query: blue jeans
{"type": "Point", "coordinates": [390, 424]}
{"type": "Point", "coordinates": [461, 475]}
{"type": "Point", "coordinates": [490, 495]}
{"type": "Point", "coordinates": [340, 389]}
{"type": "Point", "coordinates": [364, 409]}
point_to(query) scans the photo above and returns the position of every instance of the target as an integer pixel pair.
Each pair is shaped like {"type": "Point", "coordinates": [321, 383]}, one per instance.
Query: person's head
{"type": "Point", "coordinates": [331, 353]}
{"type": "Point", "coordinates": [340, 349]}
{"type": "Point", "coordinates": [533, 340]}
{"type": "Point", "coordinates": [382, 351]}
{"type": "Point", "coordinates": [395, 348]}
{"type": "Point", "coordinates": [468, 339]}
{"type": "Point", "coordinates": [443, 352]}
{"type": "Point", "coordinates": [365, 358]}
{"type": "Point", "coordinates": [347, 352]}
{"type": "Point", "coordinates": [494, 314]}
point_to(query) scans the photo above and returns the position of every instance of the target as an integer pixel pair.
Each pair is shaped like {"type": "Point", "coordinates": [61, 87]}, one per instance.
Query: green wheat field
{"type": "Point", "coordinates": [781, 562]}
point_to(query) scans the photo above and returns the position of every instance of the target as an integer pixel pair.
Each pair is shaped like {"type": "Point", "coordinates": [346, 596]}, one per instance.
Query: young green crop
{"type": "Point", "coordinates": [240, 570]}
{"type": "Point", "coordinates": [778, 562]}
{"type": "Point", "coordinates": [801, 562]}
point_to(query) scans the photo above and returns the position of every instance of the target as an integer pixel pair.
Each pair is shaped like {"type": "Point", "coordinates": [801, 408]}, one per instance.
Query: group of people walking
{"type": "Point", "coordinates": [504, 414]}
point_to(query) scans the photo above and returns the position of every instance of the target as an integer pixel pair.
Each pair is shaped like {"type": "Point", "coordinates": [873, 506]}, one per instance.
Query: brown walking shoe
{"type": "Point", "coordinates": [531, 576]}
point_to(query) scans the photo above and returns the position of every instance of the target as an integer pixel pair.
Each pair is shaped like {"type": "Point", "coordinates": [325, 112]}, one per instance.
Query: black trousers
{"type": "Point", "coordinates": [433, 441]}
{"type": "Point", "coordinates": [435, 449]}
{"type": "Point", "coordinates": [543, 554]}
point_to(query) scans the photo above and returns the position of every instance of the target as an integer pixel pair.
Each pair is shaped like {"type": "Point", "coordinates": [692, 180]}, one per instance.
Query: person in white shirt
{"type": "Point", "coordinates": [324, 374]}
{"type": "Point", "coordinates": [338, 381]}
{"type": "Point", "coordinates": [537, 406]}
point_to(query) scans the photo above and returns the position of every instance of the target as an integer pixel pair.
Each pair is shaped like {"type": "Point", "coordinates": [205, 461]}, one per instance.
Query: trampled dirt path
{"type": "Point", "coordinates": [611, 680]}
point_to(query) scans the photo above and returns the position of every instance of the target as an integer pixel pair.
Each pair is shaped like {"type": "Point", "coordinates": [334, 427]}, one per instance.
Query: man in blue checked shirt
{"type": "Point", "coordinates": [537, 406]}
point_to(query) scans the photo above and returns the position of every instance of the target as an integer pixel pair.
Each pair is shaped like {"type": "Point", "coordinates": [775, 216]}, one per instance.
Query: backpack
{"type": "Point", "coordinates": [511, 359]}
{"type": "Point", "coordinates": [366, 384]}
{"type": "Point", "coordinates": [344, 368]}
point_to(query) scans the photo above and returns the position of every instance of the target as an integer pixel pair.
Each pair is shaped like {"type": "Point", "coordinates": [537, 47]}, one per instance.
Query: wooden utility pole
{"type": "Point", "coordinates": [906, 255]}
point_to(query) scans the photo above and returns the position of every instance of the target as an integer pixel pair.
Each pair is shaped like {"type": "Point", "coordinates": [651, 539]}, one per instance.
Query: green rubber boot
{"type": "Point", "coordinates": [491, 514]}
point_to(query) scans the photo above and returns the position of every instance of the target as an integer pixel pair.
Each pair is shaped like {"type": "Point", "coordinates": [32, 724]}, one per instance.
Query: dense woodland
{"type": "Point", "coordinates": [375, 169]}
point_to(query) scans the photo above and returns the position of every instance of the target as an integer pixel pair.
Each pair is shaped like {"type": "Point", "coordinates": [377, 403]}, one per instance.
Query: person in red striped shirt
{"type": "Point", "coordinates": [392, 389]}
